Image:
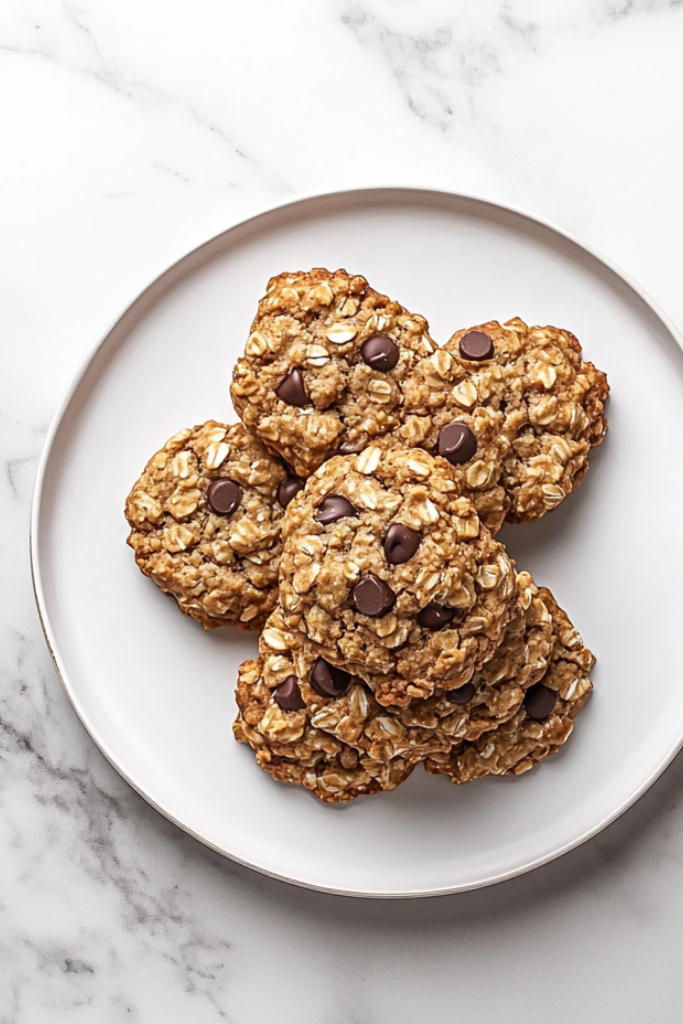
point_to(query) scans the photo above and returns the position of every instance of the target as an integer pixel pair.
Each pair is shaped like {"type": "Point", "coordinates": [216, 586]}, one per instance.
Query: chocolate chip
{"type": "Point", "coordinates": [380, 353]}
{"type": "Point", "coordinates": [373, 597]}
{"type": "Point", "coordinates": [288, 695]}
{"type": "Point", "coordinates": [291, 390]}
{"type": "Point", "coordinates": [288, 489]}
{"type": "Point", "coordinates": [224, 496]}
{"type": "Point", "coordinates": [539, 701]}
{"type": "Point", "coordinates": [328, 681]}
{"type": "Point", "coordinates": [462, 694]}
{"type": "Point", "coordinates": [400, 543]}
{"type": "Point", "coordinates": [333, 508]}
{"type": "Point", "coordinates": [435, 616]}
{"type": "Point", "coordinates": [476, 345]}
{"type": "Point", "coordinates": [457, 443]}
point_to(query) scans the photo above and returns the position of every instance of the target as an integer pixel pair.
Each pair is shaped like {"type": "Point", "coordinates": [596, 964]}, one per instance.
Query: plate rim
{"type": "Point", "coordinates": [303, 199]}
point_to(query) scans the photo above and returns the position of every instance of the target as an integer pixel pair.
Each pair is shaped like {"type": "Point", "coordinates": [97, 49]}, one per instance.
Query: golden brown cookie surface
{"type": "Point", "coordinates": [543, 723]}
{"type": "Point", "coordinates": [205, 524]}
{"type": "Point", "coordinates": [324, 365]}
{"type": "Point", "coordinates": [388, 570]}
{"type": "Point", "coordinates": [529, 407]}
{"type": "Point", "coordinates": [312, 724]}
{"type": "Point", "coordinates": [278, 726]}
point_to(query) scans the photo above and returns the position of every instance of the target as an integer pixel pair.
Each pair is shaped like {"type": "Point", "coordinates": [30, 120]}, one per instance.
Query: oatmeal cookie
{"type": "Point", "coordinates": [324, 366]}
{"type": "Point", "coordinates": [315, 725]}
{"type": "Point", "coordinates": [338, 702]}
{"type": "Point", "coordinates": [388, 570]}
{"type": "Point", "coordinates": [278, 727]}
{"type": "Point", "coordinates": [344, 705]}
{"type": "Point", "coordinates": [496, 691]}
{"type": "Point", "coordinates": [514, 409]}
{"type": "Point", "coordinates": [206, 524]}
{"type": "Point", "coordinates": [542, 724]}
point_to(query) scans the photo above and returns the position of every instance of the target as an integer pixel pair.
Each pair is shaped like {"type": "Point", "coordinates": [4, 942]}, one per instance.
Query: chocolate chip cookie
{"type": "Point", "coordinates": [337, 701]}
{"type": "Point", "coordinates": [496, 691]}
{"type": "Point", "coordinates": [543, 723]}
{"type": "Point", "coordinates": [324, 366]}
{"type": "Point", "coordinates": [279, 728]}
{"type": "Point", "coordinates": [205, 521]}
{"type": "Point", "coordinates": [291, 696]}
{"type": "Point", "coordinates": [389, 571]}
{"type": "Point", "coordinates": [514, 409]}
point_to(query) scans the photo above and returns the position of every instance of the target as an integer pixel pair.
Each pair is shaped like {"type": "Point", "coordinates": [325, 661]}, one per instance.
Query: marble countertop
{"type": "Point", "coordinates": [132, 131]}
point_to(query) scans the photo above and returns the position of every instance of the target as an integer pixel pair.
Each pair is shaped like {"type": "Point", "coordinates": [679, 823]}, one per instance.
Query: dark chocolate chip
{"type": "Point", "coordinates": [435, 616]}
{"type": "Point", "coordinates": [380, 353]}
{"type": "Point", "coordinates": [328, 681]}
{"type": "Point", "coordinates": [335, 507]}
{"type": "Point", "coordinates": [373, 597]}
{"type": "Point", "coordinates": [291, 389]}
{"type": "Point", "coordinates": [457, 443]}
{"type": "Point", "coordinates": [539, 701]}
{"type": "Point", "coordinates": [476, 345]}
{"type": "Point", "coordinates": [462, 694]}
{"type": "Point", "coordinates": [224, 496]}
{"type": "Point", "coordinates": [288, 489]}
{"type": "Point", "coordinates": [288, 695]}
{"type": "Point", "coordinates": [400, 543]}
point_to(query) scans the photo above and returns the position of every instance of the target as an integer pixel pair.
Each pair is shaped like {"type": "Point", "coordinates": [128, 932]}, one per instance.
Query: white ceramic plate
{"type": "Point", "coordinates": [156, 692]}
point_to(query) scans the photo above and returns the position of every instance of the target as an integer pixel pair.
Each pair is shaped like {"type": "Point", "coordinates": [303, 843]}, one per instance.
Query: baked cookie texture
{"type": "Point", "coordinates": [496, 691]}
{"type": "Point", "coordinates": [336, 701]}
{"type": "Point", "coordinates": [387, 570]}
{"type": "Point", "coordinates": [324, 366]}
{"type": "Point", "coordinates": [290, 748]}
{"type": "Point", "coordinates": [543, 723]}
{"type": "Point", "coordinates": [395, 629]}
{"type": "Point", "coordinates": [313, 725]}
{"type": "Point", "coordinates": [532, 409]}
{"type": "Point", "coordinates": [206, 524]}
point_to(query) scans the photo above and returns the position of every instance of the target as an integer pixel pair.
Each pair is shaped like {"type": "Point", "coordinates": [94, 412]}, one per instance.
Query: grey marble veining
{"type": "Point", "coordinates": [442, 54]}
{"type": "Point", "coordinates": [132, 131]}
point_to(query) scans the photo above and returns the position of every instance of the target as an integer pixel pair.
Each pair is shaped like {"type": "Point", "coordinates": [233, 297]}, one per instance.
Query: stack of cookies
{"type": "Point", "coordinates": [351, 518]}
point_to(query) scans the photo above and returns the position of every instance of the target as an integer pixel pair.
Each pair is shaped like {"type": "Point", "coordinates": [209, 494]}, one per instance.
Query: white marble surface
{"type": "Point", "coordinates": [132, 130]}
